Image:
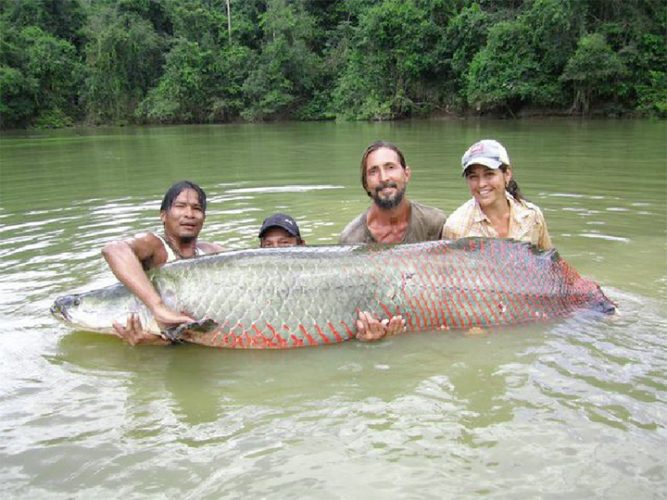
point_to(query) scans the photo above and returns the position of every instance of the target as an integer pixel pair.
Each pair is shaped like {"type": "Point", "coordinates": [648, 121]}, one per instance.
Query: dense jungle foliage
{"type": "Point", "coordinates": [205, 61]}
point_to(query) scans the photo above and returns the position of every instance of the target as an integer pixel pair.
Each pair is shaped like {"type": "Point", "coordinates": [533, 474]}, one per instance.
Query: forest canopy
{"type": "Point", "coordinates": [212, 61]}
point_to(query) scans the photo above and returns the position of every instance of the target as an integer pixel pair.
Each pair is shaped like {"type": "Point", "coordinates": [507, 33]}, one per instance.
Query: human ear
{"type": "Point", "coordinates": [508, 175]}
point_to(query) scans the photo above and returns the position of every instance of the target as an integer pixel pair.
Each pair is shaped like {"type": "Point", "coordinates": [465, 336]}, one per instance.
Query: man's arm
{"type": "Point", "coordinates": [125, 257]}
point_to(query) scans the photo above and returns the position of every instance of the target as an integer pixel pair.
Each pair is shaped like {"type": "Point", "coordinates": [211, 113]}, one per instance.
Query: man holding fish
{"type": "Point", "coordinates": [182, 213]}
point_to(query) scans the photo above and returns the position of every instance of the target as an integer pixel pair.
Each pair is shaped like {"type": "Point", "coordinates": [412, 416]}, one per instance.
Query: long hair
{"type": "Point", "coordinates": [173, 192]}
{"type": "Point", "coordinates": [372, 148]}
{"type": "Point", "coordinates": [512, 187]}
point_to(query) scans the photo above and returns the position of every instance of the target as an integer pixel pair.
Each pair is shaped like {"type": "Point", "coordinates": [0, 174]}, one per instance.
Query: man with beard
{"type": "Point", "coordinates": [392, 218]}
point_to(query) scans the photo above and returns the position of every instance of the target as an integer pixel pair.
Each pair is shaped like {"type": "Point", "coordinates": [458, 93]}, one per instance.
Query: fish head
{"type": "Point", "coordinates": [602, 304]}
{"type": "Point", "coordinates": [97, 311]}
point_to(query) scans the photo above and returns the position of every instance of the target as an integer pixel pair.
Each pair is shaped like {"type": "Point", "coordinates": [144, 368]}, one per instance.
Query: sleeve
{"type": "Point", "coordinates": [544, 241]}
{"type": "Point", "coordinates": [353, 232]}
{"type": "Point", "coordinates": [448, 232]}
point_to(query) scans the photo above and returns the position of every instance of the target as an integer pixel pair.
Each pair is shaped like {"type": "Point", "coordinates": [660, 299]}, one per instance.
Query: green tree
{"type": "Point", "coordinates": [124, 59]}
{"type": "Point", "coordinates": [523, 58]}
{"type": "Point", "coordinates": [39, 79]}
{"type": "Point", "coordinates": [63, 19]}
{"type": "Point", "coordinates": [592, 70]}
{"type": "Point", "coordinates": [287, 71]}
{"type": "Point", "coordinates": [465, 35]}
{"type": "Point", "coordinates": [198, 85]}
{"type": "Point", "coordinates": [393, 52]}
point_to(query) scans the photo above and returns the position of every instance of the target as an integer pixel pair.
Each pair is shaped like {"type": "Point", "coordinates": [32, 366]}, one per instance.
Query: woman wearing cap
{"type": "Point", "coordinates": [497, 208]}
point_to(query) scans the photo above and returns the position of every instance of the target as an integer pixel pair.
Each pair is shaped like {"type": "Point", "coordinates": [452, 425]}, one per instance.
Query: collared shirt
{"type": "Point", "coordinates": [526, 223]}
{"type": "Point", "coordinates": [425, 224]}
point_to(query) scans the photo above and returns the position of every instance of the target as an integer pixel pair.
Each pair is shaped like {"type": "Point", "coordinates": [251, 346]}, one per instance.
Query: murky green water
{"type": "Point", "coordinates": [576, 408]}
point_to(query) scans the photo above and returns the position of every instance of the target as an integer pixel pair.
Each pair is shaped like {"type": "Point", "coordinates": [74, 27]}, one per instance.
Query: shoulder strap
{"type": "Point", "coordinates": [171, 256]}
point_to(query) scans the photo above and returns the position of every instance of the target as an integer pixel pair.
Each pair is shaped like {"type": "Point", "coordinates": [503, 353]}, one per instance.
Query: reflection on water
{"type": "Point", "coordinates": [573, 409]}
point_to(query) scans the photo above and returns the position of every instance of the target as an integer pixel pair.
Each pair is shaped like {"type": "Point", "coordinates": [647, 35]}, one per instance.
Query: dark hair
{"type": "Point", "coordinates": [372, 148]}
{"type": "Point", "coordinates": [512, 187]}
{"type": "Point", "coordinates": [173, 192]}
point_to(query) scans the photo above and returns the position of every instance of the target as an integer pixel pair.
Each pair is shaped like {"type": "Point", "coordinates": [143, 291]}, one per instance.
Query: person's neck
{"type": "Point", "coordinates": [499, 216]}
{"type": "Point", "coordinates": [184, 248]}
{"type": "Point", "coordinates": [392, 216]}
{"type": "Point", "coordinates": [389, 226]}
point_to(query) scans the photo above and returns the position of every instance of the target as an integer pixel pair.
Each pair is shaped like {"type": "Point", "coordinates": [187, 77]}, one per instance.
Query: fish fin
{"type": "Point", "coordinates": [175, 333]}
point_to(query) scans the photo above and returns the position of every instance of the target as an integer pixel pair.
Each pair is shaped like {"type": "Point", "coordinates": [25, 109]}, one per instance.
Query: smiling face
{"type": "Point", "coordinates": [487, 185]}
{"type": "Point", "coordinates": [185, 218]}
{"type": "Point", "coordinates": [386, 178]}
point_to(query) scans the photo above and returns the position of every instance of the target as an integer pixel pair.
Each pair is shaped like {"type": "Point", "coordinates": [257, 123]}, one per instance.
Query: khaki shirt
{"type": "Point", "coordinates": [425, 224]}
{"type": "Point", "coordinates": [526, 223]}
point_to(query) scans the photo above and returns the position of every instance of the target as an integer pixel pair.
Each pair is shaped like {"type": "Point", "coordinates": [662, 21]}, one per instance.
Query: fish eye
{"type": "Point", "coordinates": [77, 301]}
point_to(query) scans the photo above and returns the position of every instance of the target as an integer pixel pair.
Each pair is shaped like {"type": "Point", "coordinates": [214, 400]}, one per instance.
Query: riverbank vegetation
{"type": "Point", "coordinates": [211, 61]}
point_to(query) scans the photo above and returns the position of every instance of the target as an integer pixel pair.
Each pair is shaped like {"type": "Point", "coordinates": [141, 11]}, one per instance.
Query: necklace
{"type": "Point", "coordinates": [177, 251]}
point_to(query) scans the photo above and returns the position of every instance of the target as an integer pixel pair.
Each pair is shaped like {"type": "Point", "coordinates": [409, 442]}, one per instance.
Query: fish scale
{"type": "Point", "coordinates": [299, 296]}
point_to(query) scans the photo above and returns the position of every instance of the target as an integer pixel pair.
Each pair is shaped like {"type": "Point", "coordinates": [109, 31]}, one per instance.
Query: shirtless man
{"type": "Point", "coordinates": [182, 212]}
{"type": "Point", "coordinates": [392, 218]}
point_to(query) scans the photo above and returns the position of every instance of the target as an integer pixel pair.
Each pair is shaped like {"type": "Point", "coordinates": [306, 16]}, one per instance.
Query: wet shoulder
{"type": "Point", "coordinates": [426, 223]}
{"type": "Point", "coordinates": [356, 231]}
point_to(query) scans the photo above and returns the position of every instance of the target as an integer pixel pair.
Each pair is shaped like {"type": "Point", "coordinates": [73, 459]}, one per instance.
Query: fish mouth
{"type": "Point", "coordinates": [60, 306]}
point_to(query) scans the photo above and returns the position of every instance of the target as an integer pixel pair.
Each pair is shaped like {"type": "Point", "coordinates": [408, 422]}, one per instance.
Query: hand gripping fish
{"type": "Point", "coordinates": [304, 296]}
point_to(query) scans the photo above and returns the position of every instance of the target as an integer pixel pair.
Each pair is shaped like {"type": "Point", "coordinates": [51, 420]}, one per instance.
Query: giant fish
{"type": "Point", "coordinates": [305, 296]}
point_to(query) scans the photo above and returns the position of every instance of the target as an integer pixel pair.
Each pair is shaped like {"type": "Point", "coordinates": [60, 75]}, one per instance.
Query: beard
{"type": "Point", "coordinates": [392, 201]}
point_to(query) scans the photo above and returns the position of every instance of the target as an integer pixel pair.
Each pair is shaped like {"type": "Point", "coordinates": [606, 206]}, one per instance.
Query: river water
{"type": "Point", "coordinates": [571, 409]}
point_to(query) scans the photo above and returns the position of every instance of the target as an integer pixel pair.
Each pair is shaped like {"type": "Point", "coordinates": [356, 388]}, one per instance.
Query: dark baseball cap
{"type": "Point", "coordinates": [280, 220]}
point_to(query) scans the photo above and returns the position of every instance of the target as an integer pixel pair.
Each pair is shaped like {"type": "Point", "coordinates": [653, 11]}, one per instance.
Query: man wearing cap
{"type": "Point", "coordinates": [281, 230]}
{"type": "Point", "coordinates": [392, 218]}
{"type": "Point", "coordinates": [278, 230]}
{"type": "Point", "coordinates": [497, 208]}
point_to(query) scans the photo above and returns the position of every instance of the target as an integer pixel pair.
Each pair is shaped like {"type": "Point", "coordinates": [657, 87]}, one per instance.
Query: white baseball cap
{"type": "Point", "coordinates": [487, 152]}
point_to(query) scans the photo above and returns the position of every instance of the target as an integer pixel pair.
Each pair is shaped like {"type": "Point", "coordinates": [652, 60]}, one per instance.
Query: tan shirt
{"type": "Point", "coordinates": [526, 223]}
{"type": "Point", "coordinates": [425, 225]}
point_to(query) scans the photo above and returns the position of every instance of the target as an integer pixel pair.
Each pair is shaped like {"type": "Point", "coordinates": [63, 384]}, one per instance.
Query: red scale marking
{"type": "Point", "coordinates": [334, 331]}
{"type": "Point", "coordinates": [461, 306]}
{"type": "Point", "coordinates": [419, 299]}
{"type": "Point", "coordinates": [324, 338]}
{"type": "Point", "coordinates": [274, 334]}
{"type": "Point", "coordinates": [386, 309]}
{"type": "Point", "coordinates": [489, 307]}
{"type": "Point", "coordinates": [309, 337]}
{"type": "Point", "coordinates": [296, 341]}
{"type": "Point", "coordinates": [348, 330]}
{"type": "Point", "coordinates": [414, 317]}
{"type": "Point", "coordinates": [337, 338]}
{"type": "Point", "coordinates": [435, 303]}
{"type": "Point", "coordinates": [457, 314]}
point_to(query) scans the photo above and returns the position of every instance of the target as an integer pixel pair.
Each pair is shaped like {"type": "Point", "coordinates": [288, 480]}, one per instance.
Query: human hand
{"type": "Point", "coordinates": [370, 329]}
{"type": "Point", "coordinates": [166, 316]}
{"type": "Point", "coordinates": [134, 334]}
